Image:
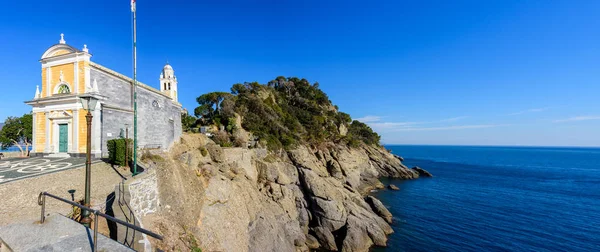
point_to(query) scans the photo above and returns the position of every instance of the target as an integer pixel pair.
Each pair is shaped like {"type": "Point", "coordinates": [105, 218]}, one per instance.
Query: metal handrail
{"type": "Point", "coordinates": [122, 202]}
{"type": "Point", "coordinates": [42, 202]}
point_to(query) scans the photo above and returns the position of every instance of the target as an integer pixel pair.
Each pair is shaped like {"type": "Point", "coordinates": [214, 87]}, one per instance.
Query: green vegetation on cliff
{"type": "Point", "coordinates": [282, 114]}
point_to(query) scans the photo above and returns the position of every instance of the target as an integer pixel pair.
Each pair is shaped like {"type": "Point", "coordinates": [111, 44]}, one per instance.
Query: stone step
{"type": "Point", "coordinates": [59, 155]}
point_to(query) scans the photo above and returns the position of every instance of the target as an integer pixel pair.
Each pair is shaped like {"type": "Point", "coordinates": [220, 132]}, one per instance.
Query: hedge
{"type": "Point", "coordinates": [116, 151]}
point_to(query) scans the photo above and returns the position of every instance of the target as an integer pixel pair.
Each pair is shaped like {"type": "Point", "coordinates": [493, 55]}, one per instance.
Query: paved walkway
{"type": "Point", "coordinates": [57, 233]}
{"type": "Point", "coordinates": [12, 169]}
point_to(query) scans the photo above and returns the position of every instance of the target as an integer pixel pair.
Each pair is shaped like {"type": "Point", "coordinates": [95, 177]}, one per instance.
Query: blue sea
{"type": "Point", "coordinates": [14, 149]}
{"type": "Point", "coordinates": [496, 199]}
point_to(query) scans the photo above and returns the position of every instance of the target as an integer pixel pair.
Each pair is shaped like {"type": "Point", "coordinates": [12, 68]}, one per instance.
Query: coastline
{"type": "Point", "coordinates": [297, 200]}
{"type": "Point", "coordinates": [501, 191]}
{"type": "Point", "coordinates": [14, 149]}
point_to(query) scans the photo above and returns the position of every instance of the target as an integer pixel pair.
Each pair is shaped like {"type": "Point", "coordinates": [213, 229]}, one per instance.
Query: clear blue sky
{"type": "Point", "coordinates": [419, 72]}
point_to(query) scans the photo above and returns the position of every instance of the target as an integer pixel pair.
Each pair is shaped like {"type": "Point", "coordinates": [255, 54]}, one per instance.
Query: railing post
{"type": "Point", "coordinates": [95, 230]}
{"type": "Point", "coordinates": [42, 202]}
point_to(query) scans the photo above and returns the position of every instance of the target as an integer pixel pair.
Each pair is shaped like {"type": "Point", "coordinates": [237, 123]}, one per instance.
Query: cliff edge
{"type": "Point", "coordinates": [239, 199]}
{"type": "Point", "coordinates": [297, 180]}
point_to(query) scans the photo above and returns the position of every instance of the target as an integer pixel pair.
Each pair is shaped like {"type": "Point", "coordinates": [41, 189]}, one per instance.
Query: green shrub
{"type": "Point", "coordinates": [120, 152]}
{"type": "Point", "coordinates": [230, 124]}
{"type": "Point", "coordinates": [116, 151]}
{"type": "Point", "coordinates": [363, 132]}
{"type": "Point", "coordinates": [111, 145]}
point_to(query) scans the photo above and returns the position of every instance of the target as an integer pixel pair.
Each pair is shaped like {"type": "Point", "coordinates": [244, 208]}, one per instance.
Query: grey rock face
{"type": "Point", "coordinates": [337, 206]}
{"type": "Point", "coordinates": [379, 208]}
{"type": "Point", "coordinates": [312, 242]}
{"type": "Point", "coordinates": [297, 200]}
{"type": "Point", "coordinates": [422, 172]}
{"type": "Point", "coordinates": [343, 130]}
{"type": "Point", "coordinates": [326, 238]}
{"type": "Point", "coordinates": [215, 152]}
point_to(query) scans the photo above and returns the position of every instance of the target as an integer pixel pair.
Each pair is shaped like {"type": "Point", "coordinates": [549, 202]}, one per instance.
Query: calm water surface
{"type": "Point", "coordinates": [496, 199]}
{"type": "Point", "coordinates": [14, 149]}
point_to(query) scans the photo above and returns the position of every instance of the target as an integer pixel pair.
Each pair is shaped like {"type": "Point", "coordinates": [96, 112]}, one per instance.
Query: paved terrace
{"type": "Point", "coordinates": [57, 233]}
{"type": "Point", "coordinates": [12, 169]}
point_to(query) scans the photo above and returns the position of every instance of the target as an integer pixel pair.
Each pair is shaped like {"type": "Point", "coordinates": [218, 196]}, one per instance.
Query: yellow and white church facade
{"type": "Point", "coordinates": [59, 123]}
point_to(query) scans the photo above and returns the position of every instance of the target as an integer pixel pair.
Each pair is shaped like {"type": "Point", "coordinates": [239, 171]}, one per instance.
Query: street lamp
{"type": "Point", "coordinates": [89, 104]}
{"type": "Point", "coordinates": [127, 145]}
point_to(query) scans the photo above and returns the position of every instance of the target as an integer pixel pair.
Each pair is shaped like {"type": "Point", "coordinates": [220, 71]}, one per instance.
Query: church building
{"type": "Point", "coordinates": [59, 123]}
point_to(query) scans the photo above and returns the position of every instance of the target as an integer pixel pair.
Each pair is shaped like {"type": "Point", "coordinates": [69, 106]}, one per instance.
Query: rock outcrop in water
{"type": "Point", "coordinates": [235, 199]}
{"type": "Point", "coordinates": [422, 172]}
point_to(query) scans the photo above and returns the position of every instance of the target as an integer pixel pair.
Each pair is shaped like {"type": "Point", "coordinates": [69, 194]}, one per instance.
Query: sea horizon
{"type": "Point", "coordinates": [14, 149]}
{"type": "Point", "coordinates": [496, 199]}
{"type": "Point", "coordinates": [504, 146]}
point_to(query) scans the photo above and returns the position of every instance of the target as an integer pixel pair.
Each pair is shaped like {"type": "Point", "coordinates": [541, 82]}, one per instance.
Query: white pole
{"type": "Point", "coordinates": [134, 91]}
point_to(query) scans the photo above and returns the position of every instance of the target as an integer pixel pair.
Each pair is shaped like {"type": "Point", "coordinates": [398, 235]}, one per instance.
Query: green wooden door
{"type": "Point", "coordinates": [63, 138]}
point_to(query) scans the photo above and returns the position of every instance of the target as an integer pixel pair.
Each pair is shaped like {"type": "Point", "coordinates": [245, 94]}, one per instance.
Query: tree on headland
{"type": "Point", "coordinates": [283, 113]}
{"type": "Point", "coordinates": [188, 122]}
{"type": "Point", "coordinates": [17, 131]}
{"type": "Point", "coordinates": [210, 103]}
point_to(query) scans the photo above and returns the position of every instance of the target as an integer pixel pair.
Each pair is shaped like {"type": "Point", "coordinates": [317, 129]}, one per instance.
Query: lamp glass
{"type": "Point", "coordinates": [92, 103]}
{"type": "Point", "coordinates": [84, 102]}
{"type": "Point", "coordinates": [88, 102]}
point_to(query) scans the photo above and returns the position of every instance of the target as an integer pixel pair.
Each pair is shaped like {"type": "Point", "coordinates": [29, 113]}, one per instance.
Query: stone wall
{"type": "Point", "coordinates": [159, 118]}
{"type": "Point", "coordinates": [143, 200]}
{"type": "Point", "coordinates": [144, 194]}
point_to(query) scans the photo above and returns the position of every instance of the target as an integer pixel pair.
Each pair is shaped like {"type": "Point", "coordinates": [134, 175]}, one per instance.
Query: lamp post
{"type": "Point", "coordinates": [89, 103]}
{"type": "Point", "coordinates": [127, 145]}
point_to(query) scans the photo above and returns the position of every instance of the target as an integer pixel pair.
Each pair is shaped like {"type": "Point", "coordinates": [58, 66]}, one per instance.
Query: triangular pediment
{"type": "Point", "coordinates": [61, 114]}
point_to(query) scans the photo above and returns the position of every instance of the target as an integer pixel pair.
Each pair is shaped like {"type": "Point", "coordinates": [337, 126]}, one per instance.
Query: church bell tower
{"type": "Point", "coordinates": [168, 82]}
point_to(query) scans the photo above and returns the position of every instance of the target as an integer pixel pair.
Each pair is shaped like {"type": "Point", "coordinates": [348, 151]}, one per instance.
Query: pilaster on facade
{"type": "Point", "coordinates": [33, 128]}
{"type": "Point", "coordinates": [97, 130]}
{"type": "Point", "coordinates": [76, 127]}
{"type": "Point", "coordinates": [48, 81]}
{"type": "Point", "coordinates": [76, 76]}
{"type": "Point", "coordinates": [87, 77]}
{"type": "Point", "coordinates": [47, 128]}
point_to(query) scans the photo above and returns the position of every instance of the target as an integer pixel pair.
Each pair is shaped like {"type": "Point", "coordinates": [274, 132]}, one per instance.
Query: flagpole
{"type": "Point", "coordinates": [133, 8]}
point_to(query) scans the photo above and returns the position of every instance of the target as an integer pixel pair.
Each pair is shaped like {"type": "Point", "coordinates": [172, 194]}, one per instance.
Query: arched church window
{"type": "Point", "coordinates": [64, 89]}
{"type": "Point", "coordinates": [169, 86]}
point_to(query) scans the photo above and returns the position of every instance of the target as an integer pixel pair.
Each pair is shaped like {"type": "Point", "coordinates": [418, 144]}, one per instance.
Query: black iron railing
{"type": "Point", "coordinates": [127, 213]}
{"type": "Point", "coordinates": [42, 202]}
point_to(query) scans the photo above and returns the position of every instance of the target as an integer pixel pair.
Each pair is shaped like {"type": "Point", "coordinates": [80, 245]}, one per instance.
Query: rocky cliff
{"type": "Point", "coordinates": [238, 199]}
